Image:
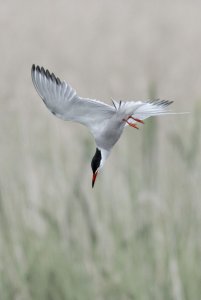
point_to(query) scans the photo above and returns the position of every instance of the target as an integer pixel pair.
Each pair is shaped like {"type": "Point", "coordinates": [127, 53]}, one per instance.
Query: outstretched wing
{"type": "Point", "coordinates": [142, 109]}
{"type": "Point", "coordinates": [152, 108]}
{"type": "Point", "coordinates": [62, 100]}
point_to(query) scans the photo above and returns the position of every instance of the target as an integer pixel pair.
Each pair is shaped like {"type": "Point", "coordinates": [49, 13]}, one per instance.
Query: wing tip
{"type": "Point", "coordinates": [159, 102]}
{"type": "Point", "coordinates": [46, 73]}
{"type": "Point", "coordinates": [33, 67]}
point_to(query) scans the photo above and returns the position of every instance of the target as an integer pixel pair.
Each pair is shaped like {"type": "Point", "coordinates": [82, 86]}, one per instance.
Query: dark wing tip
{"type": "Point", "coordinates": [33, 68]}
{"type": "Point", "coordinates": [38, 69]}
{"type": "Point", "coordinates": [166, 102]}
{"type": "Point", "coordinates": [53, 77]}
{"type": "Point", "coordinates": [58, 81]}
{"type": "Point", "coordinates": [159, 102]}
{"type": "Point", "coordinates": [45, 73]}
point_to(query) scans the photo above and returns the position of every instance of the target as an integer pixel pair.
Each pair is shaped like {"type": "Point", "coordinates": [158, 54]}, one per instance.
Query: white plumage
{"type": "Point", "coordinates": [106, 122]}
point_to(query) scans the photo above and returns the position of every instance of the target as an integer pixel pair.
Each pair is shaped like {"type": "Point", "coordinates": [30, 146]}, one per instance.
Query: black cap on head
{"type": "Point", "coordinates": [95, 163]}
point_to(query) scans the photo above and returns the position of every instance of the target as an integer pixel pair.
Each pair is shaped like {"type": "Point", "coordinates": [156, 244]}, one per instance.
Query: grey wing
{"type": "Point", "coordinates": [152, 108]}
{"type": "Point", "coordinates": [63, 101]}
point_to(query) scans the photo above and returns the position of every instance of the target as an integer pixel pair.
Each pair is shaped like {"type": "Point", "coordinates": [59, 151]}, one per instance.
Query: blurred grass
{"type": "Point", "coordinates": [135, 236]}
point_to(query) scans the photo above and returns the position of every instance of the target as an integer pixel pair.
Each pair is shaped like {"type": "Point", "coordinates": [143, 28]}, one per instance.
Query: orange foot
{"type": "Point", "coordinates": [133, 124]}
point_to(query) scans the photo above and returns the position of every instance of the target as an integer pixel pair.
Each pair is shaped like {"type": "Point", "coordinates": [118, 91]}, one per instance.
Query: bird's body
{"type": "Point", "coordinates": [106, 122]}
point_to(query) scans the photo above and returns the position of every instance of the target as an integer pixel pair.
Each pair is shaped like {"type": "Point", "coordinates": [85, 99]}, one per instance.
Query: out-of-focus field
{"type": "Point", "coordinates": [137, 234]}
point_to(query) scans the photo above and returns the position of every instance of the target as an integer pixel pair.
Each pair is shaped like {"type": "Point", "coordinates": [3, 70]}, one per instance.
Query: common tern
{"type": "Point", "coordinates": [105, 122]}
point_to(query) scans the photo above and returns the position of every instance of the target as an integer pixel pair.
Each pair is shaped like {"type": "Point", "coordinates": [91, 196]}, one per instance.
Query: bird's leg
{"type": "Point", "coordinates": [130, 124]}
{"type": "Point", "coordinates": [133, 124]}
{"type": "Point", "coordinates": [137, 120]}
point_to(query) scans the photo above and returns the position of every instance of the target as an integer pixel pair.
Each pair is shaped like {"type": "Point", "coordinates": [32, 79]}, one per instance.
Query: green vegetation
{"type": "Point", "coordinates": [136, 235]}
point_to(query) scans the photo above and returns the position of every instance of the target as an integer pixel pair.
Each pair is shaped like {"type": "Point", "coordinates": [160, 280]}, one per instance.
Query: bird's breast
{"type": "Point", "coordinates": [108, 137]}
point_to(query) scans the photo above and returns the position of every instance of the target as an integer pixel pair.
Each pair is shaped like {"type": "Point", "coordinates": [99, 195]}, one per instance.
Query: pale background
{"type": "Point", "coordinates": [137, 234]}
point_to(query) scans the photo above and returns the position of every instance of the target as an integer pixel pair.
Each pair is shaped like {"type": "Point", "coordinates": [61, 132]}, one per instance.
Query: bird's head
{"type": "Point", "coordinates": [97, 162]}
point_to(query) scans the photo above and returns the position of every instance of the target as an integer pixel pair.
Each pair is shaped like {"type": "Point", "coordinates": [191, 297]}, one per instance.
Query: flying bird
{"type": "Point", "coordinates": [105, 122]}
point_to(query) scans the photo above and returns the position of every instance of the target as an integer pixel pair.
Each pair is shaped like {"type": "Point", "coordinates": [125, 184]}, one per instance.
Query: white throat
{"type": "Point", "coordinates": [104, 156]}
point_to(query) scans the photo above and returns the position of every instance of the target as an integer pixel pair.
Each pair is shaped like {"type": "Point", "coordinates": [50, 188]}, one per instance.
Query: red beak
{"type": "Point", "coordinates": [94, 178]}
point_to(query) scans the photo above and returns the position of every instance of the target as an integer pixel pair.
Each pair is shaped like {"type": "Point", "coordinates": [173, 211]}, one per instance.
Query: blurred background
{"type": "Point", "coordinates": [137, 234]}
